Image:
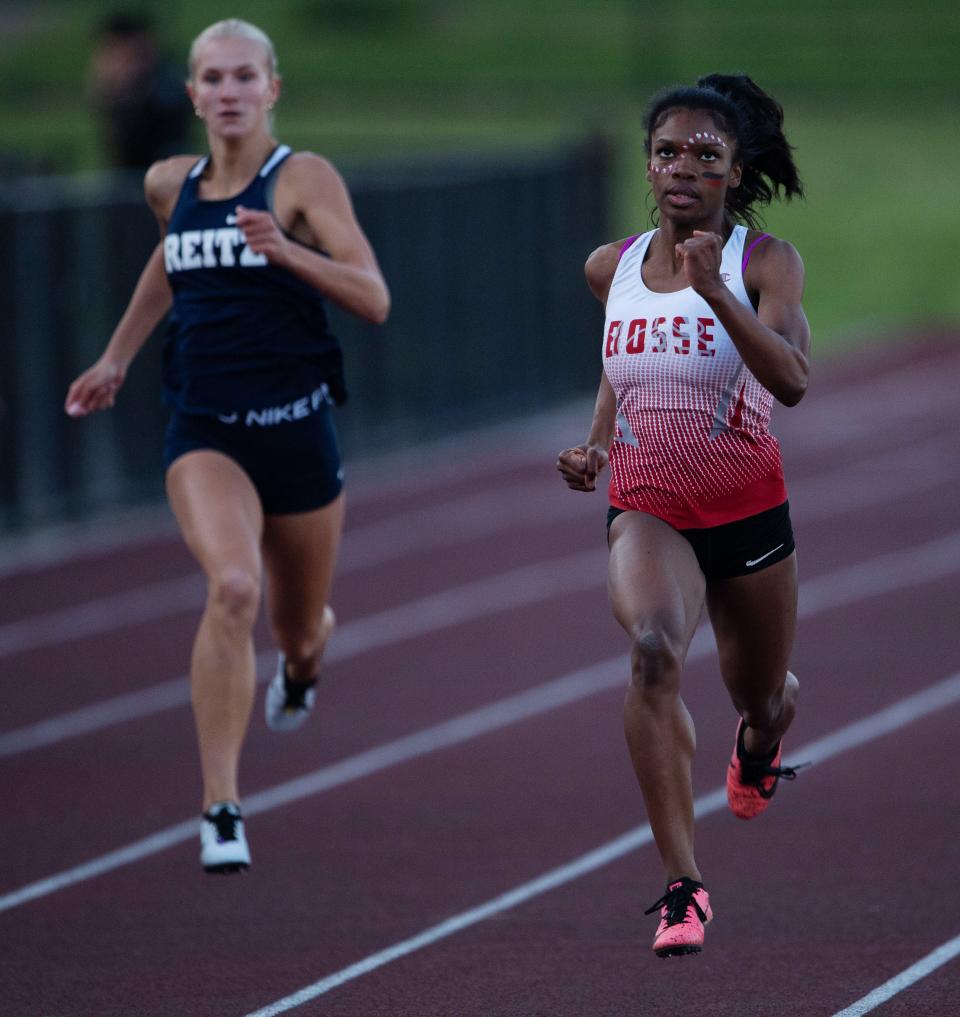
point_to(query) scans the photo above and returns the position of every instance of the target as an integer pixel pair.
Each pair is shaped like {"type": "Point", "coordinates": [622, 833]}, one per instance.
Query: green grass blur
{"type": "Point", "coordinates": [868, 91]}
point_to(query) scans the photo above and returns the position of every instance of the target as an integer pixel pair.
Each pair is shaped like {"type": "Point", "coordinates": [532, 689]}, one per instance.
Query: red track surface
{"type": "Point", "coordinates": [848, 880]}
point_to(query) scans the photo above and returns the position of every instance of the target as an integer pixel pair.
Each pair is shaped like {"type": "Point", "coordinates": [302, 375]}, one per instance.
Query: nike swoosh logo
{"type": "Point", "coordinates": [756, 561]}
{"type": "Point", "coordinates": [231, 418]}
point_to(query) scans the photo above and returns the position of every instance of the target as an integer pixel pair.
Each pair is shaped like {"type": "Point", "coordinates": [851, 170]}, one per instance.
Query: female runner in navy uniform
{"type": "Point", "coordinates": [253, 470]}
{"type": "Point", "coordinates": [704, 329]}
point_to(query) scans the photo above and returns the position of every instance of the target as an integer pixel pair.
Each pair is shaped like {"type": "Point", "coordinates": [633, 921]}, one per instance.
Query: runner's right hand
{"type": "Point", "coordinates": [580, 465]}
{"type": "Point", "coordinates": [95, 389]}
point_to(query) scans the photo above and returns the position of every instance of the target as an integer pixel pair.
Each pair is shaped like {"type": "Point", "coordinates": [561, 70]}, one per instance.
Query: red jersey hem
{"type": "Point", "coordinates": [763, 494]}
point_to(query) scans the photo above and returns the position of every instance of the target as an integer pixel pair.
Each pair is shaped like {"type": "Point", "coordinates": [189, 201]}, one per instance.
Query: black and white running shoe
{"type": "Point", "coordinates": [288, 704]}
{"type": "Point", "coordinates": [223, 844]}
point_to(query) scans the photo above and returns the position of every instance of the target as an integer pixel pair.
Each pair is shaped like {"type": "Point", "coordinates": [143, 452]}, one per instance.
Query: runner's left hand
{"type": "Point", "coordinates": [263, 234]}
{"type": "Point", "coordinates": [701, 256]}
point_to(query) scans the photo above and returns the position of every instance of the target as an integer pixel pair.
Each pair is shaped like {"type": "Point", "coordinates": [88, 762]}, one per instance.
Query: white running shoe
{"type": "Point", "coordinates": [288, 704]}
{"type": "Point", "coordinates": [223, 844]}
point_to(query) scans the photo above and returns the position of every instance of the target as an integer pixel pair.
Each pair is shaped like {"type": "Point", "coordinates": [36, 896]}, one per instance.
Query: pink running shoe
{"type": "Point", "coordinates": [684, 911]}
{"type": "Point", "coordinates": [751, 782]}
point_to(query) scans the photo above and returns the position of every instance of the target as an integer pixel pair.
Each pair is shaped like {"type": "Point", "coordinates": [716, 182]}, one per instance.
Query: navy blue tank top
{"type": "Point", "coordinates": [243, 333]}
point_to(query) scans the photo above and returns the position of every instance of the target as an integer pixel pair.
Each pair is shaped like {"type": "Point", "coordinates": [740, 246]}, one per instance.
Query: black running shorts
{"type": "Point", "coordinates": [293, 460]}
{"type": "Point", "coordinates": [739, 548]}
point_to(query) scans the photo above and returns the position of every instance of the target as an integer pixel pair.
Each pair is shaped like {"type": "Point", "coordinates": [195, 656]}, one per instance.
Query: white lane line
{"type": "Point", "coordinates": [459, 521]}
{"type": "Point", "coordinates": [849, 488]}
{"type": "Point", "coordinates": [529, 442]}
{"type": "Point", "coordinates": [904, 395]}
{"type": "Point", "coordinates": [925, 966]}
{"type": "Point", "coordinates": [530, 584]}
{"type": "Point", "coordinates": [500, 714]}
{"type": "Point", "coordinates": [889, 572]}
{"type": "Point", "coordinates": [525, 586]}
{"type": "Point", "coordinates": [913, 708]}
{"type": "Point", "coordinates": [868, 482]}
{"type": "Point", "coordinates": [152, 602]}
{"type": "Point", "coordinates": [439, 526]}
{"type": "Point", "coordinates": [886, 573]}
{"type": "Point", "coordinates": [874, 406]}
{"type": "Point", "coordinates": [582, 866]}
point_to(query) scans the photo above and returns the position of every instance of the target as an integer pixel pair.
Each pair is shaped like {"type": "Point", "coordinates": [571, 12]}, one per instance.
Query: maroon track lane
{"type": "Point", "coordinates": [123, 570]}
{"type": "Point", "coordinates": [362, 866]}
{"type": "Point", "coordinates": [348, 874]}
{"type": "Point", "coordinates": [416, 481]}
{"type": "Point", "coordinates": [806, 922]}
{"type": "Point", "coordinates": [143, 655]}
{"type": "Point", "coordinates": [140, 656]}
{"type": "Point", "coordinates": [28, 592]}
{"type": "Point", "coordinates": [369, 700]}
{"type": "Point", "coordinates": [374, 699]}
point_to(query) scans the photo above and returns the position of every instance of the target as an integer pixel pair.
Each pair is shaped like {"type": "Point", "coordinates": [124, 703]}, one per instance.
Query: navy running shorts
{"type": "Point", "coordinates": [739, 548]}
{"type": "Point", "coordinates": [290, 452]}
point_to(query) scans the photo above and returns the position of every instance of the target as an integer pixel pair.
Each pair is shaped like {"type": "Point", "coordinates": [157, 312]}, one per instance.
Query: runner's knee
{"type": "Point", "coordinates": [234, 593]}
{"type": "Point", "coordinates": [654, 663]}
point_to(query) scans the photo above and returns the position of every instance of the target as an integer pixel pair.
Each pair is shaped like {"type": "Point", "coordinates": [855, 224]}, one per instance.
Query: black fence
{"type": "Point", "coordinates": [491, 317]}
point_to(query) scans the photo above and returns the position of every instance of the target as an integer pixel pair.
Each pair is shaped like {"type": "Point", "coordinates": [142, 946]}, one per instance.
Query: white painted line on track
{"type": "Point", "coordinates": [861, 407]}
{"type": "Point", "coordinates": [874, 406]}
{"type": "Point", "coordinates": [529, 584]}
{"type": "Point", "coordinates": [865, 483]}
{"type": "Point", "coordinates": [925, 966]}
{"type": "Point", "coordinates": [849, 488]}
{"type": "Point", "coordinates": [436, 527]}
{"type": "Point", "coordinates": [151, 602]}
{"type": "Point", "coordinates": [529, 441]}
{"type": "Point", "coordinates": [883, 574]}
{"type": "Point", "coordinates": [525, 586]}
{"type": "Point", "coordinates": [906, 711]}
{"type": "Point", "coordinates": [500, 714]}
{"type": "Point", "coordinates": [582, 866]}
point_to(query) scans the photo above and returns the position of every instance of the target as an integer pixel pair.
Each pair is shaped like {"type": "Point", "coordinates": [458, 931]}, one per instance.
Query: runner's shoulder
{"type": "Point", "coordinates": [600, 268]}
{"type": "Point", "coordinates": [163, 180]}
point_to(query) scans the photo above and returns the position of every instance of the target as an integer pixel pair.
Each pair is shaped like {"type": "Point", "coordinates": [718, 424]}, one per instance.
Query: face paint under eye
{"type": "Point", "coordinates": [714, 179]}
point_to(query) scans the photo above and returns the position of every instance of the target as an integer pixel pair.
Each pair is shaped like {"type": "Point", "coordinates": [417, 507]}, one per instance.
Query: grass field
{"type": "Point", "coordinates": [868, 94]}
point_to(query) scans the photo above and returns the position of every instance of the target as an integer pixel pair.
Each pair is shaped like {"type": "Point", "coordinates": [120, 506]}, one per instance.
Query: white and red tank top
{"type": "Point", "coordinates": [692, 445]}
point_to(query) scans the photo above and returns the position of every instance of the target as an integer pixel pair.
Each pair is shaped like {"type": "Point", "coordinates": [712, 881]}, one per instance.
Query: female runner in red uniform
{"type": "Point", "coordinates": [704, 329]}
{"type": "Point", "coordinates": [255, 238]}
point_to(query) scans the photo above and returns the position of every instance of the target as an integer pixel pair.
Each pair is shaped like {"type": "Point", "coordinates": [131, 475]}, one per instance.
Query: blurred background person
{"type": "Point", "coordinates": [139, 94]}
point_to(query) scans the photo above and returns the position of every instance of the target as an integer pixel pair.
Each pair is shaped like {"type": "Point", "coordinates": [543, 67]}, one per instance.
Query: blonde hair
{"type": "Point", "coordinates": [234, 28]}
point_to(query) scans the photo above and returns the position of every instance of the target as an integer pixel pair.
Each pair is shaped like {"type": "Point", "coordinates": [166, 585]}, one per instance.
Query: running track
{"type": "Point", "coordinates": [458, 832]}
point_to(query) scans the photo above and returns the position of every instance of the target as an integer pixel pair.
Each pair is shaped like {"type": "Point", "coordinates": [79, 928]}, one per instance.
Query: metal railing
{"type": "Point", "coordinates": [491, 317]}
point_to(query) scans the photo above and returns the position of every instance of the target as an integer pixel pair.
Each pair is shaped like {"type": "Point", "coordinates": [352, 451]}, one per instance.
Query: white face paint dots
{"type": "Point", "coordinates": [706, 138]}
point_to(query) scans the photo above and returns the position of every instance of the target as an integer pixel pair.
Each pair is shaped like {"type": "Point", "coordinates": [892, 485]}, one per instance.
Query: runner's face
{"type": "Point", "coordinates": [232, 87]}
{"type": "Point", "coordinates": [691, 166]}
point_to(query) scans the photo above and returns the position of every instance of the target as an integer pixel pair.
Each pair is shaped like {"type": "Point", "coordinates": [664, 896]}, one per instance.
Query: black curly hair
{"type": "Point", "coordinates": [744, 112]}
